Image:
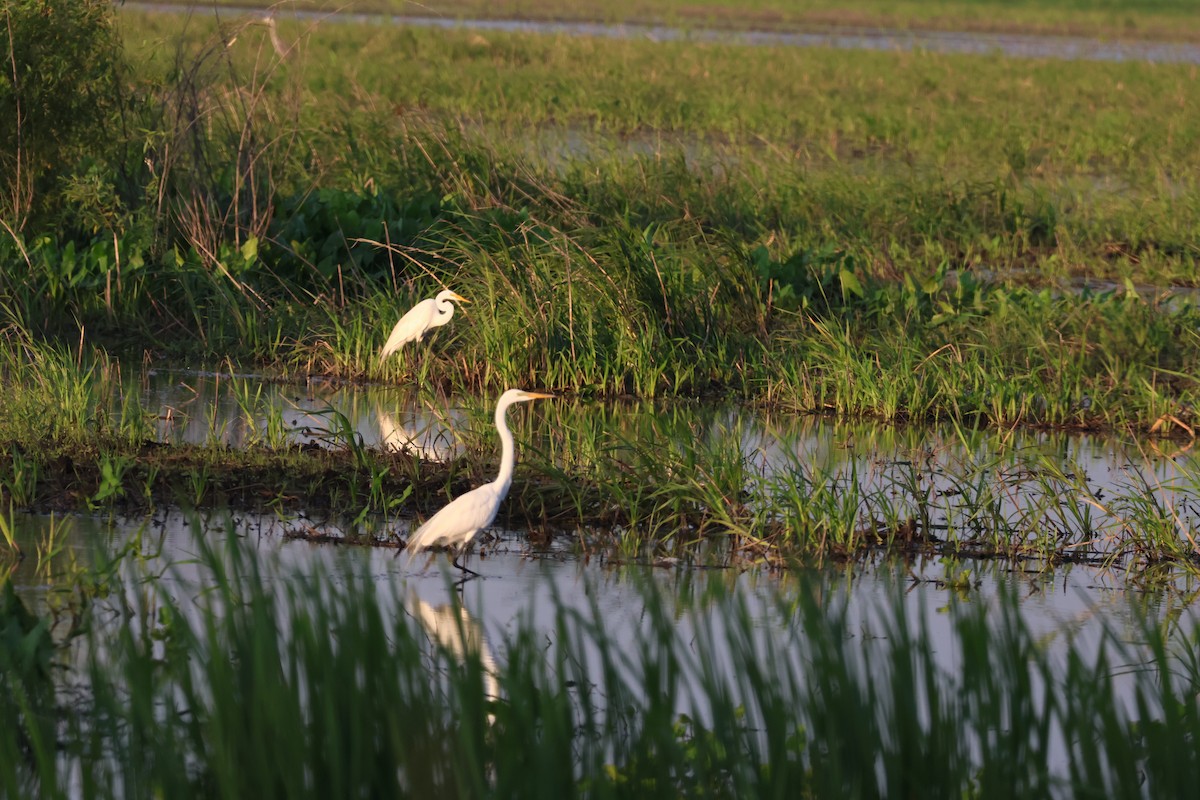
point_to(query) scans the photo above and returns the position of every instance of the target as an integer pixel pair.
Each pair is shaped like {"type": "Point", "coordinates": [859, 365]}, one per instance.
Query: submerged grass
{"type": "Point", "coordinates": [659, 476]}
{"type": "Point", "coordinates": [192, 699]}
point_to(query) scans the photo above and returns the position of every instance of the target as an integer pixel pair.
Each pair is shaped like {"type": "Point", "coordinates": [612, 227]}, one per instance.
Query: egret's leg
{"type": "Point", "coordinates": [464, 569]}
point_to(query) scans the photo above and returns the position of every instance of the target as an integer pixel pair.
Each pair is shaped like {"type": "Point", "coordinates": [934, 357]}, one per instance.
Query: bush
{"type": "Point", "coordinates": [59, 88]}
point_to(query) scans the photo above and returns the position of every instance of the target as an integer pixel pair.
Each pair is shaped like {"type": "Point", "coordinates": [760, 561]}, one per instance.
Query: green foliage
{"type": "Point", "coordinates": [112, 480]}
{"type": "Point", "coordinates": [190, 701]}
{"type": "Point", "coordinates": [333, 229]}
{"type": "Point", "coordinates": [59, 85]}
{"type": "Point", "coordinates": [808, 281]}
{"type": "Point", "coordinates": [26, 683]}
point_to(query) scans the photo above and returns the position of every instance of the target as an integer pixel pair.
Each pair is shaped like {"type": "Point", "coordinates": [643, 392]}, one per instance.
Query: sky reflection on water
{"type": "Point", "coordinates": [961, 483]}
{"type": "Point", "coordinates": [1072, 48]}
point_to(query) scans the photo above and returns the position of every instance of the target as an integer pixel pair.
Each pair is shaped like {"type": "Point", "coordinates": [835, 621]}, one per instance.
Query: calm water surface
{"type": "Point", "coordinates": [519, 584]}
{"type": "Point", "coordinates": [527, 589]}
{"type": "Point", "coordinates": [1013, 45]}
{"type": "Point", "coordinates": [1085, 488]}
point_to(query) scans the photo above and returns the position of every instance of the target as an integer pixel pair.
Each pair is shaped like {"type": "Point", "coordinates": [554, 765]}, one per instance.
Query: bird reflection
{"type": "Point", "coordinates": [425, 439]}
{"type": "Point", "coordinates": [457, 632]}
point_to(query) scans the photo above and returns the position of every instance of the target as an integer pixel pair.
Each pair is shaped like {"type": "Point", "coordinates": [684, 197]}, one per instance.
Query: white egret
{"type": "Point", "coordinates": [429, 313]}
{"type": "Point", "coordinates": [457, 523]}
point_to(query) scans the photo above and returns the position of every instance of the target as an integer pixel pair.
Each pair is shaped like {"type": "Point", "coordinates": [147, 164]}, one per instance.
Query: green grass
{"type": "Point", "coordinates": [245, 692]}
{"type": "Point", "coordinates": [876, 235]}
{"type": "Point", "coordinates": [905, 159]}
{"type": "Point", "coordinates": [986, 113]}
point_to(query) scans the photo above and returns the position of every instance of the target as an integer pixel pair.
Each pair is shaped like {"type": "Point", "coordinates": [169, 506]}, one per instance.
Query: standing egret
{"type": "Point", "coordinates": [464, 516]}
{"type": "Point", "coordinates": [420, 318]}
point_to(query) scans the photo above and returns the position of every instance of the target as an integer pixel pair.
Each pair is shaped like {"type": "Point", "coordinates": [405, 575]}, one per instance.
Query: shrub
{"type": "Point", "coordinates": [59, 87]}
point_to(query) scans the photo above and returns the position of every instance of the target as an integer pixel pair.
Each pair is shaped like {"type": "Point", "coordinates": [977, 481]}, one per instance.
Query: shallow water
{"type": "Point", "coordinates": [519, 581]}
{"type": "Point", "coordinates": [958, 483]}
{"type": "Point", "coordinates": [1012, 45]}
{"type": "Point", "coordinates": [234, 410]}
{"type": "Point", "coordinates": [528, 589]}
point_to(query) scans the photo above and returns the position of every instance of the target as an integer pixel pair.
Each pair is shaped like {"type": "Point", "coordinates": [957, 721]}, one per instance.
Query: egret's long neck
{"type": "Point", "coordinates": [445, 310]}
{"type": "Point", "coordinates": [508, 456]}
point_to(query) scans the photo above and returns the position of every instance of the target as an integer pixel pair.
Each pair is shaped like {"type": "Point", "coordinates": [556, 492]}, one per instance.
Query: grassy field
{"type": "Point", "coordinates": [793, 241]}
{"type": "Point", "coordinates": [874, 235]}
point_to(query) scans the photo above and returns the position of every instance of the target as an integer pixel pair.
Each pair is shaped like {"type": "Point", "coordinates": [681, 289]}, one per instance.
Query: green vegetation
{"type": "Point", "coordinates": [243, 691]}
{"type": "Point", "coordinates": [60, 82]}
{"type": "Point", "coordinates": [890, 236]}
{"type": "Point", "coordinates": [881, 235]}
{"type": "Point", "coordinates": [621, 478]}
{"type": "Point", "coordinates": [876, 234]}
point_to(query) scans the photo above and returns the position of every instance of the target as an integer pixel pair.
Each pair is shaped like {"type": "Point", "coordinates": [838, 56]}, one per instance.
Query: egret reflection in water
{"type": "Point", "coordinates": [426, 435]}
{"type": "Point", "coordinates": [454, 630]}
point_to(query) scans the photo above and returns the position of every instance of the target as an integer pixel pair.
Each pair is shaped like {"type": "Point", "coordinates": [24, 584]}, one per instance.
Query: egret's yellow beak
{"type": "Point", "coordinates": [459, 298]}
{"type": "Point", "coordinates": [539, 396]}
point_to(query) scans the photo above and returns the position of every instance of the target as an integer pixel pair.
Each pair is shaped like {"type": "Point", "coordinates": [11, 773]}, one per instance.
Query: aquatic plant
{"type": "Point", "coordinates": [188, 701]}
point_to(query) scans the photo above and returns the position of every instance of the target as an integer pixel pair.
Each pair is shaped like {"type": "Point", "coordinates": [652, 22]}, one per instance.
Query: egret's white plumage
{"type": "Point", "coordinates": [457, 523]}
{"type": "Point", "coordinates": [429, 313]}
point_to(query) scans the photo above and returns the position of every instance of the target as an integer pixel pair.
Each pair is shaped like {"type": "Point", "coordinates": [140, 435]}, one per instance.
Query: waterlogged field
{"type": "Point", "coordinates": [637, 477]}
{"type": "Point", "coordinates": [870, 471]}
{"type": "Point", "coordinates": [210, 638]}
{"type": "Point", "coordinates": [1162, 19]}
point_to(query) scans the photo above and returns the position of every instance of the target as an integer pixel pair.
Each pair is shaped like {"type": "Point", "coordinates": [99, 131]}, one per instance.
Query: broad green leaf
{"type": "Point", "coordinates": [250, 249]}
{"type": "Point", "coordinates": [850, 284]}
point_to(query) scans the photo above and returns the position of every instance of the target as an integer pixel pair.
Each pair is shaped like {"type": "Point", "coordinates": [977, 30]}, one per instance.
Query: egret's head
{"type": "Point", "coordinates": [521, 396]}
{"type": "Point", "coordinates": [449, 295]}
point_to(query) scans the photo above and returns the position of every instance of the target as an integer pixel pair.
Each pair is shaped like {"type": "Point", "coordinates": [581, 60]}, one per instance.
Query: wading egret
{"type": "Point", "coordinates": [420, 318]}
{"type": "Point", "coordinates": [464, 516]}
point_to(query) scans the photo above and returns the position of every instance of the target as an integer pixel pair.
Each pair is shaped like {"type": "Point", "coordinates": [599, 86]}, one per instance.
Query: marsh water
{"type": "Point", "coordinates": [928, 471]}
{"type": "Point", "coordinates": [858, 38]}
{"type": "Point", "coordinates": [526, 586]}
{"type": "Point", "coordinates": [527, 590]}
{"type": "Point", "coordinates": [1083, 487]}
